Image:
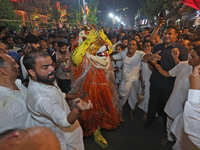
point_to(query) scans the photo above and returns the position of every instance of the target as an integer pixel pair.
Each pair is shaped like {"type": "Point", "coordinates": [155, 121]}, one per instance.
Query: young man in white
{"type": "Point", "coordinates": [132, 60]}
{"type": "Point", "coordinates": [47, 103]}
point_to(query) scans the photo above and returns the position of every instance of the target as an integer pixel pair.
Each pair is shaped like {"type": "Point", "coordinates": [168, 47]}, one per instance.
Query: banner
{"type": "Point", "coordinates": [192, 3]}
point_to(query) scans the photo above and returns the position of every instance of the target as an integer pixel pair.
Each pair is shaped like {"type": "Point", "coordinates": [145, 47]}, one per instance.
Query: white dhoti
{"type": "Point", "coordinates": [128, 91]}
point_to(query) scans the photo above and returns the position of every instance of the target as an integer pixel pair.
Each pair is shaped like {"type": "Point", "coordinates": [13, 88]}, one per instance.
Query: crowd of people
{"type": "Point", "coordinates": [69, 80]}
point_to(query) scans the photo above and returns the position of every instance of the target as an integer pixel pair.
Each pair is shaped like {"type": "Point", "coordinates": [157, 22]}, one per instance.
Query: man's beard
{"type": "Point", "coordinates": [35, 48]}
{"type": "Point", "coordinates": [62, 52]}
{"type": "Point", "coordinates": [45, 79]}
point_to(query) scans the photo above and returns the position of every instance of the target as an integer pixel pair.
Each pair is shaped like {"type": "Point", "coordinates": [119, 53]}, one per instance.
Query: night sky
{"type": "Point", "coordinates": [107, 6]}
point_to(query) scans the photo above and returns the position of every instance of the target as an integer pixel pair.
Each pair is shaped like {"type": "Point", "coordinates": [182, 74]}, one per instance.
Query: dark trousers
{"type": "Point", "coordinates": [157, 101]}
{"type": "Point", "coordinates": [64, 85]}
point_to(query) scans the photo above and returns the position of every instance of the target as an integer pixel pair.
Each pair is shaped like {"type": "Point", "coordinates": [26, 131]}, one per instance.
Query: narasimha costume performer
{"type": "Point", "coordinates": [93, 74]}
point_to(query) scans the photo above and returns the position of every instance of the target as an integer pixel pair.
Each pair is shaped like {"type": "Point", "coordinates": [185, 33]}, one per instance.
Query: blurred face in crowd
{"type": "Point", "coordinates": [147, 47]}
{"type": "Point", "coordinates": [10, 41]}
{"type": "Point", "coordinates": [137, 38]}
{"type": "Point", "coordinates": [55, 47]}
{"type": "Point", "coordinates": [186, 31]}
{"type": "Point", "coordinates": [139, 45]}
{"type": "Point", "coordinates": [132, 46]}
{"type": "Point", "coordinates": [180, 31]}
{"type": "Point", "coordinates": [3, 48]}
{"type": "Point", "coordinates": [121, 35]}
{"type": "Point", "coordinates": [113, 40]}
{"type": "Point", "coordinates": [43, 45]}
{"type": "Point", "coordinates": [63, 49]}
{"type": "Point", "coordinates": [194, 59]}
{"type": "Point", "coordinates": [44, 70]}
{"type": "Point", "coordinates": [145, 32]}
{"type": "Point", "coordinates": [170, 36]}
{"type": "Point", "coordinates": [197, 43]}
{"type": "Point", "coordinates": [125, 43]}
{"type": "Point", "coordinates": [186, 43]}
{"type": "Point", "coordinates": [118, 49]}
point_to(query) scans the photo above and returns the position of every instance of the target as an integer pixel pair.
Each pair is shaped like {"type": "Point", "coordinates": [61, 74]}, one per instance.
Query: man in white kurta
{"type": "Point", "coordinates": [128, 87]}
{"type": "Point", "coordinates": [174, 105]}
{"type": "Point", "coordinates": [191, 115]}
{"type": "Point", "coordinates": [13, 110]}
{"type": "Point", "coordinates": [48, 107]}
{"type": "Point", "coordinates": [47, 103]}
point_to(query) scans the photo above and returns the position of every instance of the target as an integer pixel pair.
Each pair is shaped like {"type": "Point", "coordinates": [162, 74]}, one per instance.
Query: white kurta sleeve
{"type": "Point", "coordinates": [192, 116]}
{"type": "Point", "coordinates": [175, 71]}
{"type": "Point", "coordinates": [53, 111]}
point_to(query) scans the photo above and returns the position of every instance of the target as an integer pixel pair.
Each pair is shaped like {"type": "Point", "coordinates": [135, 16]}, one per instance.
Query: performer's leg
{"type": "Point", "coordinates": [99, 139]}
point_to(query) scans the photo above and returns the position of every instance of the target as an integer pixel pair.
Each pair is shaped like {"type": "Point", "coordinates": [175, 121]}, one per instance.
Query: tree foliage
{"type": "Point", "coordinates": [151, 8]}
{"type": "Point", "coordinates": [8, 13]}
{"type": "Point", "coordinates": [53, 11]}
{"type": "Point", "coordinates": [93, 9]}
{"type": "Point", "coordinates": [75, 14]}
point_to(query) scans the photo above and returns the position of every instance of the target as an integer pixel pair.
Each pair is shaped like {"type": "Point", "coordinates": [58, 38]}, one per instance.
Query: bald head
{"type": "Point", "coordinates": [8, 67]}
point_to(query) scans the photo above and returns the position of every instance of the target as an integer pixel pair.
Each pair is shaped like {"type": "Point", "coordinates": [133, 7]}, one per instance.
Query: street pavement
{"type": "Point", "coordinates": [131, 135]}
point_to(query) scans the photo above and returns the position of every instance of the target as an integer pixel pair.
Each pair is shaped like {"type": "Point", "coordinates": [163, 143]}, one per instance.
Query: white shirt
{"type": "Point", "coordinates": [179, 94]}
{"type": "Point", "coordinates": [191, 117]}
{"type": "Point", "coordinates": [48, 107]}
{"type": "Point", "coordinates": [13, 110]}
{"type": "Point", "coordinates": [131, 65]}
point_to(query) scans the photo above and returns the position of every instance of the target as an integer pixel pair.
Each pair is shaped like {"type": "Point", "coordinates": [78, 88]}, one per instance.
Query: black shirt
{"type": "Point", "coordinates": [167, 63]}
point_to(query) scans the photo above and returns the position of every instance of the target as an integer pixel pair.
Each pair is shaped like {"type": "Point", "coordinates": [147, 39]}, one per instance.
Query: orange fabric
{"type": "Point", "coordinates": [98, 88]}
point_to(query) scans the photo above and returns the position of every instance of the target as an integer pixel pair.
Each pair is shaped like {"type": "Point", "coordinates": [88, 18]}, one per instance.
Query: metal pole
{"type": "Point", "coordinates": [85, 15]}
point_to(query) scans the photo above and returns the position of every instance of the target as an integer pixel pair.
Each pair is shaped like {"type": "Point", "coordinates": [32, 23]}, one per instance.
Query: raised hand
{"type": "Point", "coordinates": [82, 105]}
{"type": "Point", "coordinates": [92, 36]}
{"type": "Point", "coordinates": [195, 78]}
{"type": "Point", "coordinates": [175, 53]}
{"type": "Point", "coordinates": [102, 35]}
{"type": "Point", "coordinates": [156, 57]}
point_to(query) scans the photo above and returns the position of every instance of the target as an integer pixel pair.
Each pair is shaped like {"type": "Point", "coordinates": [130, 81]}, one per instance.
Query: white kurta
{"type": "Point", "coordinates": [128, 87]}
{"type": "Point", "coordinates": [146, 74]}
{"type": "Point", "coordinates": [182, 140]}
{"type": "Point", "coordinates": [179, 94]}
{"type": "Point", "coordinates": [13, 110]}
{"type": "Point", "coordinates": [192, 117]}
{"type": "Point", "coordinates": [48, 107]}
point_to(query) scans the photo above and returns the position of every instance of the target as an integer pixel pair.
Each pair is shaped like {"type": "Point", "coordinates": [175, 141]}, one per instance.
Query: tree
{"type": "Point", "coordinates": [8, 13]}
{"type": "Point", "coordinates": [53, 11]}
{"type": "Point", "coordinates": [75, 12]}
{"type": "Point", "coordinates": [151, 8]}
{"type": "Point", "coordinates": [93, 9]}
